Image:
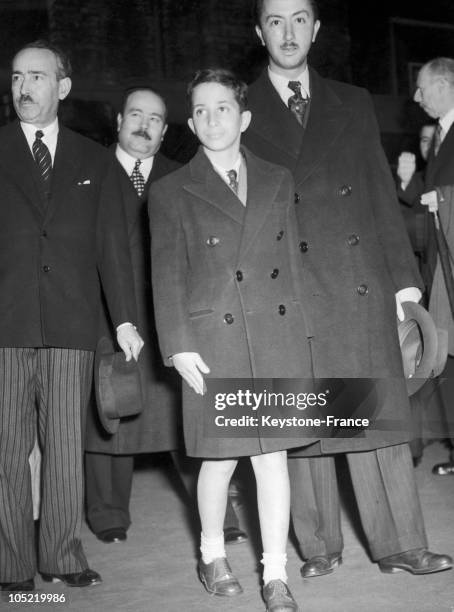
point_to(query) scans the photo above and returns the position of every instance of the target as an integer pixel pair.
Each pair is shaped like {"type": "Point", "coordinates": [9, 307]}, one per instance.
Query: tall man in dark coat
{"type": "Point", "coordinates": [59, 237]}
{"type": "Point", "coordinates": [136, 162]}
{"type": "Point", "coordinates": [358, 264]}
{"type": "Point", "coordinates": [435, 95]}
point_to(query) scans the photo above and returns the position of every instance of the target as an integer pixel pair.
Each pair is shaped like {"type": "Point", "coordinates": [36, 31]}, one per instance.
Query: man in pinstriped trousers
{"type": "Point", "coordinates": [60, 235]}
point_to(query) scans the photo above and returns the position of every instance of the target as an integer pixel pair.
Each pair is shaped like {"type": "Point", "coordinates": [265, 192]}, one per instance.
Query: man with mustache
{"type": "Point", "coordinates": [61, 241]}
{"type": "Point", "coordinates": [358, 264]}
{"type": "Point", "coordinates": [136, 162]}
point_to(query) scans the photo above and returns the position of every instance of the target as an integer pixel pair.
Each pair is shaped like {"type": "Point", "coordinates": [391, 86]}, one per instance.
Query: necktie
{"type": "Point", "coordinates": [296, 103]}
{"type": "Point", "coordinates": [437, 138]}
{"type": "Point", "coordinates": [42, 156]}
{"type": "Point", "coordinates": [137, 178]}
{"type": "Point", "coordinates": [233, 180]}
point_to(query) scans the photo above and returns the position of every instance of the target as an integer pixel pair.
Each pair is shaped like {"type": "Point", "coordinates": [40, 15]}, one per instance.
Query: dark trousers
{"type": "Point", "coordinates": [57, 383]}
{"type": "Point", "coordinates": [108, 488]}
{"type": "Point", "coordinates": [385, 490]}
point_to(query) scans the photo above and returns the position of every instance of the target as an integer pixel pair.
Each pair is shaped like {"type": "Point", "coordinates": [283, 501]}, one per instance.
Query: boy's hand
{"type": "Point", "coordinates": [191, 366]}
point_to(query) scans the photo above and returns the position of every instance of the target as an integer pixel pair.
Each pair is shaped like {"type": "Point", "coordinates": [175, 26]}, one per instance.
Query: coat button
{"type": "Point", "coordinates": [46, 268]}
{"type": "Point", "coordinates": [239, 276]}
{"type": "Point", "coordinates": [363, 290]}
{"type": "Point", "coordinates": [212, 241]}
{"type": "Point", "coordinates": [304, 246]}
{"type": "Point", "coordinates": [228, 318]}
{"type": "Point", "coordinates": [279, 236]}
{"type": "Point", "coordinates": [274, 273]}
{"type": "Point", "coordinates": [282, 309]}
{"type": "Point", "coordinates": [345, 190]}
{"type": "Point", "coordinates": [297, 198]}
{"type": "Point", "coordinates": [44, 234]}
{"type": "Point", "coordinates": [353, 240]}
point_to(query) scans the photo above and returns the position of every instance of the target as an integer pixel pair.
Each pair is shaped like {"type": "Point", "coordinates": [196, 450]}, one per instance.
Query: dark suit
{"type": "Point", "coordinates": [54, 249]}
{"type": "Point", "coordinates": [109, 461]}
{"type": "Point", "coordinates": [356, 255]}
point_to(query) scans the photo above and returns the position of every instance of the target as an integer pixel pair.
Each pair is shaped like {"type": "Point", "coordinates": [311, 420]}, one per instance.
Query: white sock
{"type": "Point", "coordinates": [212, 548]}
{"type": "Point", "coordinates": [274, 567]}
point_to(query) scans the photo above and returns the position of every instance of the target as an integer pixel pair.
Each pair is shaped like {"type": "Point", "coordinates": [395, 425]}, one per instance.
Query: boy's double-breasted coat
{"type": "Point", "coordinates": [225, 285]}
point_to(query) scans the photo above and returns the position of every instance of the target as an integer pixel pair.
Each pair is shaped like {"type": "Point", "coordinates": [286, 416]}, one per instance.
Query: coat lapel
{"type": "Point", "coordinates": [262, 188]}
{"type": "Point", "coordinates": [65, 168]}
{"type": "Point", "coordinates": [17, 161]}
{"type": "Point", "coordinates": [207, 185]}
{"type": "Point", "coordinates": [327, 119]}
{"type": "Point", "coordinates": [445, 153]}
{"type": "Point", "coordinates": [274, 121]}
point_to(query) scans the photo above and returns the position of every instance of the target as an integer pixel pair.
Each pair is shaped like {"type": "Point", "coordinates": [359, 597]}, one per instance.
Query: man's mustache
{"type": "Point", "coordinates": [142, 133]}
{"type": "Point", "coordinates": [25, 98]}
{"type": "Point", "coordinates": [287, 46]}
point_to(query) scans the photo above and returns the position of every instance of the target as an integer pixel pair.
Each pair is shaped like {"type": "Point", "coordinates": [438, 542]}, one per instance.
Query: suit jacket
{"type": "Point", "coordinates": [155, 429]}
{"type": "Point", "coordinates": [55, 250]}
{"type": "Point", "coordinates": [355, 250]}
{"type": "Point", "coordinates": [225, 285]}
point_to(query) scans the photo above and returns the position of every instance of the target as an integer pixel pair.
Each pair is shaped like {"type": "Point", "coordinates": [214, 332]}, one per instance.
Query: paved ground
{"type": "Point", "coordinates": [154, 571]}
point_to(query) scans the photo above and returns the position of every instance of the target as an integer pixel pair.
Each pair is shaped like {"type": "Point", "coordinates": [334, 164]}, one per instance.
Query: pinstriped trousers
{"type": "Point", "coordinates": [57, 383]}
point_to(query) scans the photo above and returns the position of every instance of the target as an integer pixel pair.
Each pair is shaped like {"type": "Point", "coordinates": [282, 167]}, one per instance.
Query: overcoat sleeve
{"type": "Point", "coordinates": [389, 222]}
{"type": "Point", "coordinates": [170, 271]}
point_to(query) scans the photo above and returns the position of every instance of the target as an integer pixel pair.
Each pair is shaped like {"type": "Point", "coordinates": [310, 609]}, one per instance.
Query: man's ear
{"type": "Point", "coordinates": [191, 125]}
{"type": "Point", "coordinates": [246, 117]}
{"type": "Point", "coordinates": [317, 25]}
{"type": "Point", "coordinates": [258, 31]}
{"type": "Point", "coordinates": [119, 121]}
{"type": "Point", "coordinates": [164, 132]}
{"type": "Point", "coordinates": [64, 87]}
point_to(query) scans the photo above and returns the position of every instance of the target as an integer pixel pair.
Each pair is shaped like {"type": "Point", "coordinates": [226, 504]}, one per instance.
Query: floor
{"type": "Point", "coordinates": [154, 570]}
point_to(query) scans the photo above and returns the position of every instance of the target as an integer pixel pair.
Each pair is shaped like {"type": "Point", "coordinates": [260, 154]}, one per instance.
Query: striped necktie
{"type": "Point", "coordinates": [137, 178]}
{"type": "Point", "coordinates": [42, 156]}
{"type": "Point", "coordinates": [437, 138]}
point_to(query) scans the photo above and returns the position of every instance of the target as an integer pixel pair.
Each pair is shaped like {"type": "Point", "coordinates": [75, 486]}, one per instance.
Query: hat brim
{"type": "Point", "coordinates": [104, 352]}
{"type": "Point", "coordinates": [417, 317]}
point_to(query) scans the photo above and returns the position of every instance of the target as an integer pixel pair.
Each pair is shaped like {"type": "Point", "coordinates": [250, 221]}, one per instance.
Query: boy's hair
{"type": "Point", "coordinates": [63, 62]}
{"type": "Point", "coordinates": [223, 77]}
{"type": "Point", "coordinates": [258, 6]}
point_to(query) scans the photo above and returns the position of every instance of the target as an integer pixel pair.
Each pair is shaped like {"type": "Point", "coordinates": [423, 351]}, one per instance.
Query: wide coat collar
{"type": "Point", "coordinates": [328, 118]}
{"type": "Point", "coordinates": [262, 189]}
{"type": "Point", "coordinates": [17, 161]}
{"type": "Point", "coordinates": [442, 159]}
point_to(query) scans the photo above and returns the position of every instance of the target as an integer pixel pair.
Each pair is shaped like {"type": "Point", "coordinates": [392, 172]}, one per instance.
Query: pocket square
{"type": "Point", "coordinates": [86, 182]}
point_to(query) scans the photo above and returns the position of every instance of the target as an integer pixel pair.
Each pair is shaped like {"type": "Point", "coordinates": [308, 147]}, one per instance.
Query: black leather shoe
{"type": "Point", "coordinates": [234, 535]}
{"type": "Point", "coordinates": [444, 469]}
{"type": "Point", "coordinates": [278, 598]}
{"type": "Point", "coordinates": [321, 565]}
{"type": "Point", "coordinates": [112, 536]}
{"type": "Point", "coordinates": [417, 561]}
{"type": "Point", "coordinates": [15, 587]}
{"type": "Point", "coordinates": [80, 579]}
{"type": "Point", "coordinates": [218, 579]}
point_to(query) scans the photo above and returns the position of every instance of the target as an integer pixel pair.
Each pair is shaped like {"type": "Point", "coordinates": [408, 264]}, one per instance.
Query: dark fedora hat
{"type": "Point", "coordinates": [422, 356]}
{"type": "Point", "coordinates": [117, 386]}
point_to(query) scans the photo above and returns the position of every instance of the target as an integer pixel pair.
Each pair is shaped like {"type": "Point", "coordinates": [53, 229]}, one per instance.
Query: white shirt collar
{"type": "Point", "coordinates": [50, 135]}
{"type": "Point", "coordinates": [128, 162]}
{"type": "Point", "coordinates": [223, 172]}
{"type": "Point", "coordinates": [280, 83]}
{"type": "Point", "coordinates": [446, 122]}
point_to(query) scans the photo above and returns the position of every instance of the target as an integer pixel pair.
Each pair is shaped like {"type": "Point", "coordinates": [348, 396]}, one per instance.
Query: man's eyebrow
{"type": "Point", "coordinates": [302, 11]}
